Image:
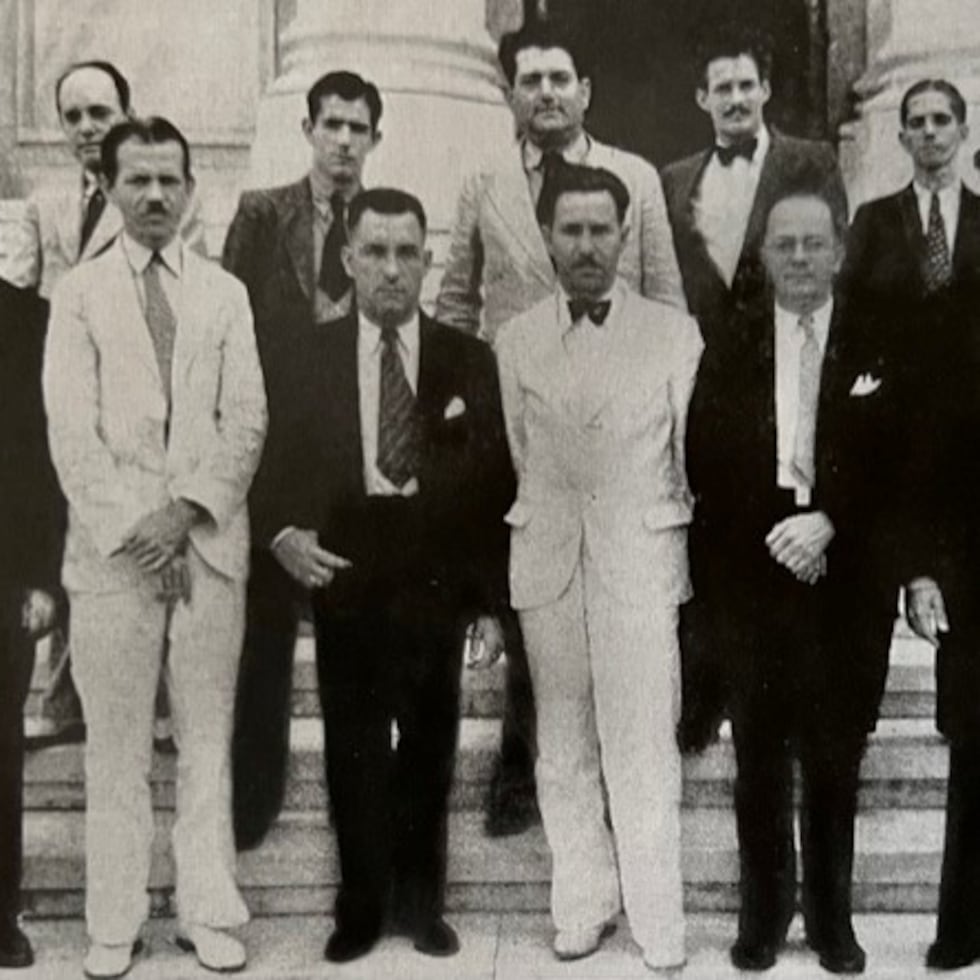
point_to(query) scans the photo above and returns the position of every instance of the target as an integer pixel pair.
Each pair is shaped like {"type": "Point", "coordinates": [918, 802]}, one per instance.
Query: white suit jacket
{"type": "Point", "coordinates": [497, 257]}
{"type": "Point", "coordinates": [600, 458]}
{"type": "Point", "coordinates": [48, 244]}
{"type": "Point", "coordinates": [107, 415]}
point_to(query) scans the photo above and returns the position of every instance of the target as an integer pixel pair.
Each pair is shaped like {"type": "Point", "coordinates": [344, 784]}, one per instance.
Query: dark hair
{"type": "Point", "coordinates": [384, 200]}
{"type": "Point", "coordinates": [345, 85]}
{"type": "Point", "coordinates": [538, 34]}
{"type": "Point", "coordinates": [956, 101]}
{"type": "Point", "coordinates": [118, 79]}
{"type": "Point", "coordinates": [730, 39]}
{"type": "Point", "coordinates": [575, 179]}
{"type": "Point", "coordinates": [808, 182]}
{"type": "Point", "coordinates": [151, 130]}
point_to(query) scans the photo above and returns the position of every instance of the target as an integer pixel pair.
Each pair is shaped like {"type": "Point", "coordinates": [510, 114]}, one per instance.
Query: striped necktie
{"type": "Point", "coordinates": [398, 424]}
{"type": "Point", "coordinates": [807, 402]}
{"type": "Point", "coordinates": [938, 267]}
{"type": "Point", "coordinates": [160, 319]}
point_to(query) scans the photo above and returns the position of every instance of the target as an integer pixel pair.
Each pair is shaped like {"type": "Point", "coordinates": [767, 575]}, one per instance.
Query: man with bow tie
{"type": "Point", "coordinates": [595, 381]}
{"type": "Point", "coordinates": [796, 459]}
{"type": "Point", "coordinates": [388, 478]}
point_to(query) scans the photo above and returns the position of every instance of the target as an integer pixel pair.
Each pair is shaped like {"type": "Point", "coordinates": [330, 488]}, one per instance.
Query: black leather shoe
{"type": "Point", "coordinates": [947, 956]}
{"type": "Point", "coordinates": [438, 938]}
{"type": "Point", "coordinates": [15, 947]}
{"type": "Point", "coordinates": [753, 956]}
{"type": "Point", "coordinates": [842, 957]}
{"type": "Point", "coordinates": [346, 944]}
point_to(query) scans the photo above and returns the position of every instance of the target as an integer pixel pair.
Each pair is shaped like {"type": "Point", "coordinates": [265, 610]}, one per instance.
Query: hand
{"type": "Point", "coordinates": [175, 581]}
{"type": "Point", "coordinates": [484, 642]}
{"type": "Point", "coordinates": [300, 554]}
{"type": "Point", "coordinates": [158, 536]}
{"type": "Point", "coordinates": [798, 541]}
{"type": "Point", "coordinates": [38, 613]}
{"type": "Point", "coordinates": [813, 572]}
{"type": "Point", "coordinates": [925, 610]}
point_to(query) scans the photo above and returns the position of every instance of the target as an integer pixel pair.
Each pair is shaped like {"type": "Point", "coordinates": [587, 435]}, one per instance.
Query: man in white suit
{"type": "Point", "coordinates": [595, 382]}
{"type": "Point", "coordinates": [157, 416]}
{"type": "Point", "coordinates": [498, 263]}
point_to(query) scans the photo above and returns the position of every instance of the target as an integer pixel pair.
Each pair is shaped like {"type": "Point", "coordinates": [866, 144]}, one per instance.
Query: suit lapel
{"type": "Point", "coordinates": [966, 248]}
{"type": "Point", "coordinates": [103, 234]}
{"type": "Point", "coordinates": [336, 386]}
{"type": "Point", "coordinates": [911, 225]}
{"type": "Point", "coordinates": [192, 317]}
{"type": "Point", "coordinates": [770, 178]}
{"type": "Point", "coordinates": [298, 235]}
{"type": "Point", "coordinates": [688, 192]}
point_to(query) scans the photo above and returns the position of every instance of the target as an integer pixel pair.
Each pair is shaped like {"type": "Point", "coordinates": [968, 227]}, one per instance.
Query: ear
{"type": "Point", "coordinates": [307, 126]}
{"type": "Point", "coordinates": [903, 138]}
{"type": "Point", "coordinates": [624, 234]}
{"type": "Point", "coordinates": [346, 254]}
{"type": "Point", "coordinates": [766, 90]}
{"type": "Point", "coordinates": [546, 234]}
{"type": "Point", "coordinates": [585, 85]}
{"type": "Point", "coordinates": [701, 98]}
{"type": "Point", "coordinates": [376, 139]}
{"type": "Point", "coordinates": [427, 259]}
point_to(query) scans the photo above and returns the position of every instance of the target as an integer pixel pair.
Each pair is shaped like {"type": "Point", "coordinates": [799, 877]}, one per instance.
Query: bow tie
{"type": "Point", "coordinates": [596, 312]}
{"type": "Point", "coordinates": [744, 149]}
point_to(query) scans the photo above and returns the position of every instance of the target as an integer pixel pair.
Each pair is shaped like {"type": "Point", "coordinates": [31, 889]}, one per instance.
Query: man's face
{"type": "Point", "coordinates": [802, 253]}
{"type": "Point", "coordinates": [387, 259]}
{"type": "Point", "coordinates": [548, 99]}
{"type": "Point", "coordinates": [734, 96]}
{"type": "Point", "coordinates": [931, 135]}
{"type": "Point", "coordinates": [151, 190]}
{"type": "Point", "coordinates": [88, 107]}
{"type": "Point", "coordinates": [584, 240]}
{"type": "Point", "coordinates": [341, 137]}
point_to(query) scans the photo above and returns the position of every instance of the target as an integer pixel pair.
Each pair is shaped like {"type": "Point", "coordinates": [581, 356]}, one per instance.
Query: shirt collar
{"type": "Point", "coordinates": [139, 256]}
{"type": "Point", "coordinates": [321, 193]}
{"type": "Point", "coordinates": [90, 184]}
{"type": "Point", "coordinates": [370, 333]}
{"type": "Point", "coordinates": [576, 152]}
{"type": "Point", "coordinates": [947, 195]}
{"type": "Point", "coordinates": [788, 321]}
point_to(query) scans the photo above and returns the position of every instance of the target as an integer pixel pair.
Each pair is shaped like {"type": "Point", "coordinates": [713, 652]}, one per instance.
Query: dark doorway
{"type": "Point", "coordinates": [643, 84]}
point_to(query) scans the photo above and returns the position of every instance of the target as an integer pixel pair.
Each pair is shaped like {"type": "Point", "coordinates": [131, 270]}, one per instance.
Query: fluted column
{"type": "Point", "coordinates": [907, 40]}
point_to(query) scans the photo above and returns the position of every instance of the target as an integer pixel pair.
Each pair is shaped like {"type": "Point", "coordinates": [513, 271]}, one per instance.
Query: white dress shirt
{"type": "Point", "coordinates": [949, 208]}
{"type": "Point", "coordinates": [724, 202]}
{"type": "Point", "coordinates": [532, 155]}
{"type": "Point", "coordinates": [138, 256]}
{"type": "Point", "coordinates": [369, 349]}
{"type": "Point", "coordinates": [788, 345]}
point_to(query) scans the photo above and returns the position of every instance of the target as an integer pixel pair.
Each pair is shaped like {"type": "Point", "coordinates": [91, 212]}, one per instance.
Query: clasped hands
{"type": "Point", "coordinates": [799, 544]}
{"type": "Point", "coordinates": [157, 543]}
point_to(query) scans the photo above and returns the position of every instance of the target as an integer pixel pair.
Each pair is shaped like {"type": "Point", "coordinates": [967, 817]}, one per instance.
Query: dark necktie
{"type": "Point", "coordinates": [746, 148]}
{"type": "Point", "coordinates": [333, 279]}
{"type": "Point", "coordinates": [939, 268]}
{"type": "Point", "coordinates": [160, 319]}
{"type": "Point", "coordinates": [596, 312]}
{"type": "Point", "coordinates": [552, 163]}
{"type": "Point", "coordinates": [93, 211]}
{"type": "Point", "coordinates": [398, 425]}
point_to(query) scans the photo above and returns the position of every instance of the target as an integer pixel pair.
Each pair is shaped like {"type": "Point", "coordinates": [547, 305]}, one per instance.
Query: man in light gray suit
{"type": "Point", "coordinates": [498, 264]}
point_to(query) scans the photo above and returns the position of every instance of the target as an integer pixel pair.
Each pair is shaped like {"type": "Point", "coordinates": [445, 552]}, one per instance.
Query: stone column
{"type": "Point", "coordinates": [907, 40]}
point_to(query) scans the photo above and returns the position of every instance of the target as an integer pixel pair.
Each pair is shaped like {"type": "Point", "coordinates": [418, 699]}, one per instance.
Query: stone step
{"type": "Point", "coordinates": [493, 947]}
{"type": "Point", "coordinates": [905, 766]}
{"type": "Point", "coordinates": [295, 871]}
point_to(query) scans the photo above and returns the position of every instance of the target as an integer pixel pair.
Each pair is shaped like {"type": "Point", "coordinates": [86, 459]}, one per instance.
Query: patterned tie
{"type": "Point", "coordinates": [333, 279]}
{"type": "Point", "coordinates": [93, 211]}
{"type": "Point", "coordinates": [806, 407]}
{"type": "Point", "coordinates": [398, 424]}
{"type": "Point", "coordinates": [939, 268]}
{"type": "Point", "coordinates": [160, 319]}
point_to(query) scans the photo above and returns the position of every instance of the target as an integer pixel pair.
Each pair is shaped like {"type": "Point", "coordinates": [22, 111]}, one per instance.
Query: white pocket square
{"type": "Point", "coordinates": [865, 384]}
{"type": "Point", "coordinates": [455, 408]}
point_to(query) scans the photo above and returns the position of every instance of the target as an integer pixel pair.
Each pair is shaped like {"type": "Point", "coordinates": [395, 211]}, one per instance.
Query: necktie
{"type": "Point", "coordinates": [333, 279]}
{"type": "Point", "coordinates": [596, 312]}
{"type": "Point", "coordinates": [551, 165]}
{"type": "Point", "coordinates": [938, 268]}
{"type": "Point", "coordinates": [160, 319]}
{"type": "Point", "coordinates": [746, 148]}
{"type": "Point", "coordinates": [93, 211]}
{"type": "Point", "coordinates": [398, 426]}
{"type": "Point", "coordinates": [806, 407]}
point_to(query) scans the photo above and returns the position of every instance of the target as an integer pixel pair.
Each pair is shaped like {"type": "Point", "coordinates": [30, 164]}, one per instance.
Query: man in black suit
{"type": "Point", "coordinates": [797, 569]}
{"type": "Point", "coordinates": [31, 535]}
{"type": "Point", "coordinates": [285, 244]}
{"type": "Point", "coordinates": [386, 483]}
{"type": "Point", "coordinates": [914, 266]}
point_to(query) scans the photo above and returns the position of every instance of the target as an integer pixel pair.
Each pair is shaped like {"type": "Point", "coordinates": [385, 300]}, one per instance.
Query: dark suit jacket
{"type": "Point", "coordinates": [710, 300]}
{"type": "Point", "coordinates": [32, 510]}
{"type": "Point", "coordinates": [732, 467]}
{"type": "Point", "coordinates": [939, 337]}
{"type": "Point", "coordinates": [453, 529]}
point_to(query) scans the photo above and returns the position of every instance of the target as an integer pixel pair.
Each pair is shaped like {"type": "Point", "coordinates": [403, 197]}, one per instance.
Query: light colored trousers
{"type": "Point", "coordinates": [118, 642]}
{"type": "Point", "coordinates": [606, 677]}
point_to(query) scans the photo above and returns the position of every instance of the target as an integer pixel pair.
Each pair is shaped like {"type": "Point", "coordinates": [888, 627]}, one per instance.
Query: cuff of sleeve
{"type": "Point", "coordinates": [281, 536]}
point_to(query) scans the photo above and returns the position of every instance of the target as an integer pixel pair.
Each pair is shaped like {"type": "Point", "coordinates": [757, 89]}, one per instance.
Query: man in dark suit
{"type": "Point", "coordinates": [914, 266]}
{"type": "Point", "coordinates": [386, 483]}
{"type": "Point", "coordinates": [31, 535]}
{"type": "Point", "coordinates": [797, 569]}
{"type": "Point", "coordinates": [285, 244]}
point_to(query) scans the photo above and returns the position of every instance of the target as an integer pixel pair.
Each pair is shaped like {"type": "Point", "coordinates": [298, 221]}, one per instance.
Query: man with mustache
{"type": "Point", "coordinates": [285, 244]}
{"type": "Point", "coordinates": [498, 266]}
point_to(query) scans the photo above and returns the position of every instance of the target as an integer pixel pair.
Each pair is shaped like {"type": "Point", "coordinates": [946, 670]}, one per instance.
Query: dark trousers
{"type": "Point", "coordinates": [514, 771]}
{"type": "Point", "coordinates": [16, 664]}
{"type": "Point", "coordinates": [260, 746]}
{"type": "Point", "coordinates": [388, 661]}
